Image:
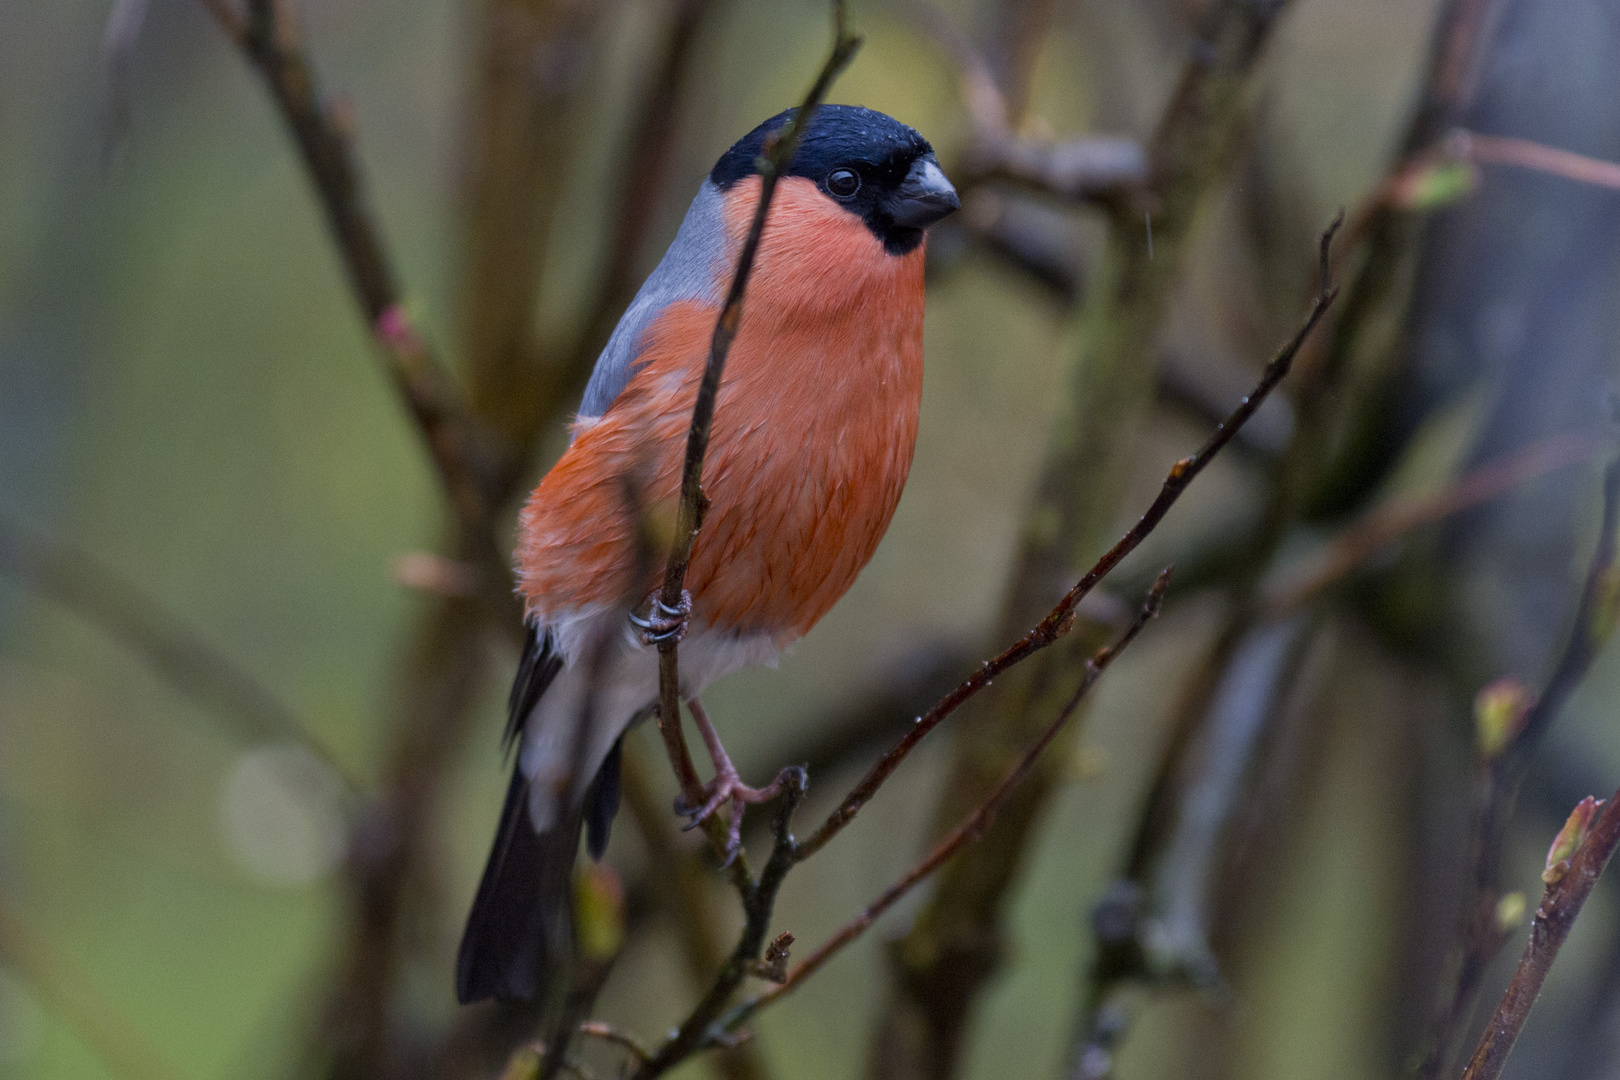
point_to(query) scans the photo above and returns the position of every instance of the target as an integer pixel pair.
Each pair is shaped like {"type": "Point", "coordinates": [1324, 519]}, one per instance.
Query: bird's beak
{"type": "Point", "coordinates": [924, 195]}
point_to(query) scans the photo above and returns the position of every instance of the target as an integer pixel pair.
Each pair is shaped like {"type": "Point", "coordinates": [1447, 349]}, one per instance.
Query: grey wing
{"type": "Point", "coordinates": [694, 268]}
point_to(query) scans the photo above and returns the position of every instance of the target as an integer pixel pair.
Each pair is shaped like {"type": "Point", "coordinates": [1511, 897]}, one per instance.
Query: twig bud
{"type": "Point", "coordinates": [1499, 713]}
{"type": "Point", "coordinates": [599, 912]}
{"type": "Point", "coordinates": [1510, 912]}
{"type": "Point", "coordinates": [1431, 184]}
{"type": "Point", "coordinates": [774, 968]}
{"type": "Point", "coordinates": [1569, 839]}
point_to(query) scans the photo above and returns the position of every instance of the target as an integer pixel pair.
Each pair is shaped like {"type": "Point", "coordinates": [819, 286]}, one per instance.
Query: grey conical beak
{"type": "Point", "coordinates": [924, 196]}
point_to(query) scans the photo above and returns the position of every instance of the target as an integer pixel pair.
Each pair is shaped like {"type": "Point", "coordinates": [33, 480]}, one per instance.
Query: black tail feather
{"type": "Point", "coordinates": [519, 936]}
{"type": "Point", "coordinates": [518, 945]}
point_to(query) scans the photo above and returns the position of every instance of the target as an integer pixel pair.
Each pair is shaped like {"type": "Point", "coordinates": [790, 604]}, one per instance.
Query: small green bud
{"type": "Point", "coordinates": [1510, 911]}
{"type": "Point", "coordinates": [1433, 184]}
{"type": "Point", "coordinates": [1569, 839]}
{"type": "Point", "coordinates": [1499, 713]}
{"type": "Point", "coordinates": [599, 912]}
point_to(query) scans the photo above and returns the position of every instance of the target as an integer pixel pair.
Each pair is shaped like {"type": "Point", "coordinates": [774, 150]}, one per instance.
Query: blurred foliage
{"type": "Point", "coordinates": [187, 395]}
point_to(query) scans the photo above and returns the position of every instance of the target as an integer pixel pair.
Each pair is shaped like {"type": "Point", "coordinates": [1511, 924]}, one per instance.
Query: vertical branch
{"type": "Point", "coordinates": [779, 151]}
{"type": "Point", "coordinates": [955, 943]}
{"type": "Point", "coordinates": [758, 902]}
{"type": "Point", "coordinates": [534, 52]}
{"type": "Point", "coordinates": [532, 57]}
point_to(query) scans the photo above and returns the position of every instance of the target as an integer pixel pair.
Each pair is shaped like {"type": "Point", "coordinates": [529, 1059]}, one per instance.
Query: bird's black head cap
{"type": "Point", "coordinates": [858, 157]}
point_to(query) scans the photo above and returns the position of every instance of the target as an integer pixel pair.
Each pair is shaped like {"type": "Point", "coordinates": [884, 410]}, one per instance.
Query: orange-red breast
{"type": "Point", "coordinates": [811, 443]}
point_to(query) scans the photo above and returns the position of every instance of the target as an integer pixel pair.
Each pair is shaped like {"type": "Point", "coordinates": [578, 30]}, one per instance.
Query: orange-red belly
{"type": "Point", "coordinates": [812, 439]}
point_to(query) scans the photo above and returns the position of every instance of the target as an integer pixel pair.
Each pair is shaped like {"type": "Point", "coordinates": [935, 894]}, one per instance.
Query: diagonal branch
{"type": "Point", "coordinates": [268, 39]}
{"type": "Point", "coordinates": [1496, 791]}
{"type": "Point", "coordinates": [971, 827]}
{"type": "Point", "coordinates": [1555, 917]}
{"type": "Point", "coordinates": [1058, 622]}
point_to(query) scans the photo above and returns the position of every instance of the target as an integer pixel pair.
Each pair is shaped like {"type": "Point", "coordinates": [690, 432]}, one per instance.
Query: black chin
{"type": "Point", "coordinates": [901, 239]}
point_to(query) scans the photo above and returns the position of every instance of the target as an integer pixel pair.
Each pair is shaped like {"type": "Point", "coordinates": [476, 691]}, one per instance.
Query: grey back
{"type": "Point", "coordinates": [694, 268]}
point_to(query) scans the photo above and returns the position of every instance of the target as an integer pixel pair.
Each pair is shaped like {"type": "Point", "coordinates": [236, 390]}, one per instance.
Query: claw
{"type": "Point", "coordinates": [663, 623]}
{"type": "Point", "coordinates": [726, 787]}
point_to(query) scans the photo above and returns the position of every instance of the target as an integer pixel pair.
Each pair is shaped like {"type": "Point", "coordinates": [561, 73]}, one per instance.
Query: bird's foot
{"type": "Point", "coordinates": [726, 787]}
{"type": "Point", "coordinates": [662, 623]}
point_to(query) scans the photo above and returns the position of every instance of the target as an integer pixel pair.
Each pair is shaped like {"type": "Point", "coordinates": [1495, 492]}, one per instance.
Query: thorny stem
{"type": "Point", "coordinates": [1061, 618]}
{"type": "Point", "coordinates": [779, 151]}
{"type": "Point", "coordinates": [969, 829]}
{"type": "Point", "coordinates": [1555, 916]}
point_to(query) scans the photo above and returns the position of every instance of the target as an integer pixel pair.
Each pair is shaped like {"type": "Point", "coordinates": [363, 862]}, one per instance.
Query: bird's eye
{"type": "Point", "coordinates": [843, 183]}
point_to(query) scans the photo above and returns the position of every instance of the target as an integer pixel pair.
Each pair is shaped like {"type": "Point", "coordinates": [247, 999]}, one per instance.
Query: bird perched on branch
{"type": "Point", "coordinates": [811, 442]}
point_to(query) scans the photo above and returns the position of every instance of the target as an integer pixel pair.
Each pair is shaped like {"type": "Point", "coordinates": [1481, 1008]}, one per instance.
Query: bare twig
{"type": "Point", "coordinates": [1388, 522]}
{"type": "Point", "coordinates": [1058, 622]}
{"type": "Point", "coordinates": [1496, 792]}
{"type": "Point", "coordinates": [1555, 916]}
{"type": "Point", "coordinates": [1502, 150]}
{"type": "Point", "coordinates": [759, 901]}
{"type": "Point", "coordinates": [267, 38]}
{"type": "Point", "coordinates": [969, 830]}
{"type": "Point", "coordinates": [689, 514]}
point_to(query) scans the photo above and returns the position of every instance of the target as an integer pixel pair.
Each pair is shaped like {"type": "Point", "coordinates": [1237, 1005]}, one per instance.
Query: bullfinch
{"type": "Point", "coordinates": [811, 442]}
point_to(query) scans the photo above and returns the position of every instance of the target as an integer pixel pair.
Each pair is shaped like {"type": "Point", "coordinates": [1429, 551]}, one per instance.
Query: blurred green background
{"type": "Point", "coordinates": [188, 396]}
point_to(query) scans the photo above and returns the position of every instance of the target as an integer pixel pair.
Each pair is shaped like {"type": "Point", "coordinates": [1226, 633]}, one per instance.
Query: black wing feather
{"type": "Point", "coordinates": [539, 666]}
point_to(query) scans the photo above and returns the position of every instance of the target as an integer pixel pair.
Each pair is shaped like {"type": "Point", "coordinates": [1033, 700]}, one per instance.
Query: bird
{"type": "Point", "coordinates": [811, 443]}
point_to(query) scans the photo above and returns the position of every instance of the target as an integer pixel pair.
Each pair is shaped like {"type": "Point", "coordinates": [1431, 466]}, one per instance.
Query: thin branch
{"type": "Point", "coordinates": [758, 903]}
{"type": "Point", "coordinates": [1388, 522]}
{"type": "Point", "coordinates": [1496, 791]}
{"type": "Point", "coordinates": [268, 40]}
{"type": "Point", "coordinates": [969, 829]}
{"type": "Point", "coordinates": [1592, 626]}
{"type": "Point", "coordinates": [173, 651]}
{"type": "Point", "coordinates": [1061, 618]}
{"type": "Point", "coordinates": [779, 151]}
{"type": "Point", "coordinates": [1555, 916]}
{"type": "Point", "coordinates": [1502, 150]}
